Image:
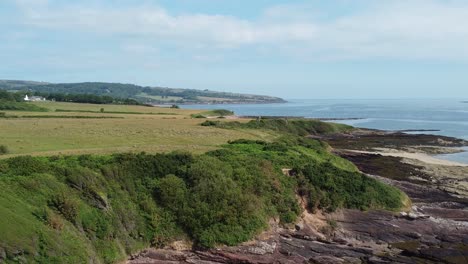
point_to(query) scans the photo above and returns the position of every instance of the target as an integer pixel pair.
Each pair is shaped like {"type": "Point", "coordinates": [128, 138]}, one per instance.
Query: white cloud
{"type": "Point", "coordinates": [402, 29]}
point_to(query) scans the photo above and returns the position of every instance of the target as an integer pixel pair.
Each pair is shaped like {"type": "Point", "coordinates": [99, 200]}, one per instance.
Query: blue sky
{"type": "Point", "coordinates": [292, 49]}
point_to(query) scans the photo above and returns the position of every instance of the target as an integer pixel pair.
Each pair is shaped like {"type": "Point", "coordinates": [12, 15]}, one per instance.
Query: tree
{"type": "Point", "coordinates": [171, 192]}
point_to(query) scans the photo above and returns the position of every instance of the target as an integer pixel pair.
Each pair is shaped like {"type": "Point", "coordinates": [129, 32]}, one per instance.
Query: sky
{"type": "Point", "coordinates": [292, 49]}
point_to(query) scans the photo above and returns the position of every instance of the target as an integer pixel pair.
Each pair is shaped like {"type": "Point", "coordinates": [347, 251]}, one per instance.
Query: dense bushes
{"type": "Point", "coordinates": [326, 181]}
{"type": "Point", "coordinates": [26, 165]}
{"type": "Point", "coordinates": [329, 188]}
{"type": "Point", "coordinates": [19, 106]}
{"type": "Point", "coordinates": [65, 206]}
{"type": "Point", "coordinates": [207, 122]}
{"type": "Point", "coordinates": [298, 127]}
{"type": "Point", "coordinates": [198, 116]}
{"type": "Point", "coordinates": [106, 207]}
{"type": "Point", "coordinates": [220, 113]}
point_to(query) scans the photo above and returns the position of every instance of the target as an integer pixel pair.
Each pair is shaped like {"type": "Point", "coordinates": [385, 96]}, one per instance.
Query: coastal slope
{"type": "Point", "coordinates": [103, 208]}
{"type": "Point", "coordinates": [432, 229]}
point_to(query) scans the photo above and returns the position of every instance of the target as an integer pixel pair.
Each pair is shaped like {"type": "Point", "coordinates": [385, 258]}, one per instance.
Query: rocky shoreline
{"type": "Point", "coordinates": [434, 229]}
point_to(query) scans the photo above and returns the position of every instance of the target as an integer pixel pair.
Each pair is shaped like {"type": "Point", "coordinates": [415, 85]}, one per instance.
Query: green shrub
{"type": "Point", "coordinates": [209, 123]}
{"type": "Point", "coordinates": [96, 224]}
{"type": "Point", "coordinates": [4, 149]}
{"type": "Point", "coordinates": [333, 224]}
{"type": "Point", "coordinates": [221, 112]}
{"type": "Point", "coordinates": [197, 116]}
{"type": "Point", "coordinates": [276, 146]}
{"type": "Point", "coordinates": [330, 188]}
{"type": "Point", "coordinates": [247, 141]}
{"type": "Point", "coordinates": [27, 165]}
{"type": "Point", "coordinates": [172, 192]}
{"type": "Point", "coordinates": [164, 228]}
{"type": "Point", "coordinates": [49, 218]}
{"type": "Point", "coordinates": [65, 205]}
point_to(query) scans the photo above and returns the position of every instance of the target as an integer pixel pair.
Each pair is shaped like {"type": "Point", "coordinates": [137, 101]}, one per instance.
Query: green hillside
{"type": "Point", "coordinates": [102, 208]}
{"type": "Point", "coordinates": [153, 95]}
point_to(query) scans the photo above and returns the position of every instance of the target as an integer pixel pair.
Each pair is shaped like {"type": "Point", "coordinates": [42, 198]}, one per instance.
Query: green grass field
{"type": "Point", "coordinates": [153, 129]}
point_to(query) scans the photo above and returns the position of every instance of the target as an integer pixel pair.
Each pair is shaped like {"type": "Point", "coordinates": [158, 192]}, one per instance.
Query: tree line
{"type": "Point", "coordinates": [66, 97]}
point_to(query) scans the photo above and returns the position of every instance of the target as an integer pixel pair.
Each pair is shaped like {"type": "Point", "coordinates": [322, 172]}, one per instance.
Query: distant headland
{"type": "Point", "coordinates": [142, 94]}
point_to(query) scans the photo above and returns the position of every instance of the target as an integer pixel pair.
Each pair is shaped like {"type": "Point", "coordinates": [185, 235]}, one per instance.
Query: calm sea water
{"type": "Point", "coordinates": [449, 116]}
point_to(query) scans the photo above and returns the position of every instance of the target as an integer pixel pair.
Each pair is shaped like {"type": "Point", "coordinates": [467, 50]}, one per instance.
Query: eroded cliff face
{"type": "Point", "coordinates": [354, 237]}
{"type": "Point", "coordinates": [434, 230]}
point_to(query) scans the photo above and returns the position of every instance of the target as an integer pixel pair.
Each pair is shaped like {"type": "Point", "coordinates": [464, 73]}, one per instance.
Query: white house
{"type": "Point", "coordinates": [33, 98]}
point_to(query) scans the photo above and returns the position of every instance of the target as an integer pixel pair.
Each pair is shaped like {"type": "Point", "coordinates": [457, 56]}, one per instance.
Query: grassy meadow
{"type": "Point", "coordinates": [120, 128]}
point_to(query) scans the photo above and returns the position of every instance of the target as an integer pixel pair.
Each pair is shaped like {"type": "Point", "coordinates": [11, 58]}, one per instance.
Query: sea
{"type": "Point", "coordinates": [448, 117]}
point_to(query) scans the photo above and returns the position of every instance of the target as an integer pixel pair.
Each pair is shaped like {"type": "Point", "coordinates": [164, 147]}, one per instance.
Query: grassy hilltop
{"type": "Point", "coordinates": [76, 187]}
